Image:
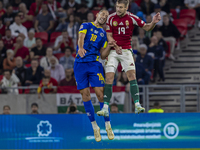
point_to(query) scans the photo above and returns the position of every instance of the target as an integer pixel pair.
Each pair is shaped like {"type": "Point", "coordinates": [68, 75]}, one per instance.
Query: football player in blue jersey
{"type": "Point", "coordinates": [92, 44]}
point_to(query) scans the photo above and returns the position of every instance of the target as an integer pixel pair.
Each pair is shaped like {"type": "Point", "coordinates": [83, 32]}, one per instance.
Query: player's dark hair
{"type": "Point", "coordinates": [6, 106]}
{"type": "Point", "coordinates": [125, 2]}
{"type": "Point", "coordinates": [34, 104]}
{"type": "Point", "coordinates": [34, 59]}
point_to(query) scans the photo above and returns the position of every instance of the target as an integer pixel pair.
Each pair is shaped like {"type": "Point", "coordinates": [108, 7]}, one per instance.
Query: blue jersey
{"type": "Point", "coordinates": [94, 40]}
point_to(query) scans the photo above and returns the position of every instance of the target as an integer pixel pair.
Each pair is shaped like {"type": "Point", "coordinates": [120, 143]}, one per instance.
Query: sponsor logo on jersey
{"type": "Point", "coordinates": [102, 35]}
{"type": "Point", "coordinates": [142, 22]}
{"type": "Point", "coordinates": [115, 23]}
{"type": "Point", "coordinates": [121, 24]}
{"type": "Point", "coordinates": [127, 23]}
{"type": "Point", "coordinates": [131, 64]}
{"type": "Point", "coordinates": [92, 30]}
{"type": "Point", "coordinates": [96, 32]}
{"type": "Point", "coordinates": [107, 27]}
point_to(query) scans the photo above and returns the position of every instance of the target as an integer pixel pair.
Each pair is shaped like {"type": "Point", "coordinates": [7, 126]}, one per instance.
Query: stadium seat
{"type": "Point", "coordinates": [59, 55]}
{"type": "Point", "coordinates": [43, 36]}
{"type": "Point", "coordinates": [54, 35]}
{"type": "Point", "coordinates": [168, 50]}
{"type": "Point", "coordinates": [189, 15]}
{"type": "Point", "coordinates": [174, 13]}
{"type": "Point", "coordinates": [28, 65]}
{"type": "Point", "coordinates": [181, 24]}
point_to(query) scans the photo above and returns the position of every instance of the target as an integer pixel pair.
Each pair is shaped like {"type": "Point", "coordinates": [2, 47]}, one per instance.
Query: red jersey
{"type": "Point", "coordinates": [54, 6]}
{"type": "Point", "coordinates": [9, 42]}
{"type": "Point", "coordinates": [22, 52]}
{"type": "Point", "coordinates": [2, 12]}
{"type": "Point", "coordinates": [122, 28]}
{"type": "Point", "coordinates": [27, 24]}
{"type": "Point", "coordinates": [2, 30]}
{"type": "Point", "coordinates": [54, 83]}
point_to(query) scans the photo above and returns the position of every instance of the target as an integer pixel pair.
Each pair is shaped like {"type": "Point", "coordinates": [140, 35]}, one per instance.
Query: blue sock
{"type": "Point", "coordinates": [89, 110]}
{"type": "Point", "coordinates": [105, 118]}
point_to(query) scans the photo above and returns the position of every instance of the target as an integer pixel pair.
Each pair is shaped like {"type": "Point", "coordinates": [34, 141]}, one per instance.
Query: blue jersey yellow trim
{"type": "Point", "coordinates": [95, 39]}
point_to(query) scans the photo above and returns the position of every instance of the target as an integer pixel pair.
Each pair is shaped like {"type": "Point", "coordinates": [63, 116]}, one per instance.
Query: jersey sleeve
{"type": "Point", "coordinates": [105, 43]}
{"type": "Point", "coordinates": [109, 25]}
{"type": "Point", "coordinates": [137, 21]}
{"type": "Point", "coordinates": [83, 28]}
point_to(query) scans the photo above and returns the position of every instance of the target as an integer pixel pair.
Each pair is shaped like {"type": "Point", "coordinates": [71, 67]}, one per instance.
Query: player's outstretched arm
{"type": "Point", "coordinates": [81, 50]}
{"type": "Point", "coordinates": [105, 51]}
{"type": "Point", "coordinates": [150, 26]}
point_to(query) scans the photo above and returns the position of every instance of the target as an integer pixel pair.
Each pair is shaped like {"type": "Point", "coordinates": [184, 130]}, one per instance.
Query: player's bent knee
{"type": "Point", "coordinates": [100, 97]}
{"type": "Point", "coordinates": [109, 78]}
{"type": "Point", "coordinates": [85, 95]}
{"type": "Point", "coordinates": [131, 75]}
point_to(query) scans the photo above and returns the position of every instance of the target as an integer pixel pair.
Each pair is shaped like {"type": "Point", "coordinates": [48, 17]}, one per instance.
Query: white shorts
{"type": "Point", "coordinates": [126, 60]}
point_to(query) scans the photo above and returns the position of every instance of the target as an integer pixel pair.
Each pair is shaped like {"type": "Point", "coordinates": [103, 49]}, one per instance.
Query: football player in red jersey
{"type": "Point", "coordinates": [120, 27]}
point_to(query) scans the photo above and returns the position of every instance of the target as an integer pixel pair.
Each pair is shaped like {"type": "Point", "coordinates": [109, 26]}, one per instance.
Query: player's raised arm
{"type": "Point", "coordinates": [150, 26]}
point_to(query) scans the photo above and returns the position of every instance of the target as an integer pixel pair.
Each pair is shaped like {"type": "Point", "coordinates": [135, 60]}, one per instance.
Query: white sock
{"type": "Point", "coordinates": [137, 103]}
{"type": "Point", "coordinates": [94, 125]}
{"type": "Point", "coordinates": [105, 106]}
{"type": "Point", "coordinates": [107, 124]}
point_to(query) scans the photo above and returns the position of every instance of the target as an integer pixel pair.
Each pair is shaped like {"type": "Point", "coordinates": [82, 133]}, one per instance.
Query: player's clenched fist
{"type": "Point", "coordinates": [81, 52]}
{"type": "Point", "coordinates": [118, 50]}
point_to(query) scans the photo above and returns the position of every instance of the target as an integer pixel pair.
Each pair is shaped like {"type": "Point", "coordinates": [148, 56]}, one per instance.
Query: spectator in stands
{"type": "Point", "coordinates": [6, 110]}
{"type": "Point", "coordinates": [170, 33]}
{"type": "Point", "coordinates": [102, 4]}
{"type": "Point", "coordinates": [26, 16]}
{"type": "Point", "coordinates": [165, 6]}
{"type": "Point", "coordinates": [30, 42]}
{"type": "Point", "coordinates": [57, 70]}
{"type": "Point", "coordinates": [39, 50]}
{"type": "Point", "coordinates": [9, 80]}
{"type": "Point", "coordinates": [67, 61]}
{"type": "Point", "coordinates": [194, 4]}
{"type": "Point", "coordinates": [72, 109]}
{"type": "Point", "coordinates": [8, 17]}
{"type": "Point", "coordinates": [44, 21]}
{"type": "Point", "coordinates": [156, 108]}
{"type": "Point", "coordinates": [145, 60]}
{"type": "Point", "coordinates": [34, 73]}
{"type": "Point", "coordinates": [47, 73]}
{"type": "Point", "coordinates": [20, 50]}
{"type": "Point", "coordinates": [162, 42]}
{"type": "Point", "coordinates": [90, 17]}
{"type": "Point", "coordinates": [45, 61]}
{"type": "Point", "coordinates": [2, 28]}
{"type": "Point", "coordinates": [157, 9]}
{"type": "Point", "coordinates": [2, 10]}
{"type": "Point", "coordinates": [133, 7]}
{"type": "Point", "coordinates": [159, 56]}
{"type": "Point", "coordinates": [45, 82]}
{"type": "Point", "coordinates": [15, 4]}
{"type": "Point", "coordinates": [18, 29]}
{"type": "Point", "coordinates": [63, 41]}
{"type": "Point", "coordinates": [9, 62]}
{"type": "Point", "coordinates": [72, 27]}
{"type": "Point", "coordinates": [20, 71]}
{"type": "Point", "coordinates": [141, 75]}
{"type": "Point", "coordinates": [135, 44]}
{"type": "Point", "coordinates": [82, 13]}
{"type": "Point", "coordinates": [34, 108]}
{"type": "Point", "coordinates": [69, 79]}
{"type": "Point", "coordinates": [2, 55]}
{"type": "Point", "coordinates": [142, 38]}
{"type": "Point", "coordinates": [177, 4]}
{"type": "Point", "coordinates": [147, 7]}
{"type": "Point", "coordinates": [35, 8]}
{"type": "Point", "coordinates": [53, 5]}
{"type": "Point", "coordinates": [71, 4]}
{"type": "Point", "coordinates": [8, 39]}
{"type": "Point", "coordinates": [2, 50]}
{"type": "Point", "coordinates": [114, 108]}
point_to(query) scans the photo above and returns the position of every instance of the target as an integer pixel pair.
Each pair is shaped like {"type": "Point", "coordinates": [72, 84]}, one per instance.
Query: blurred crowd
{"type": "Point", "coordinates": [26, 59]}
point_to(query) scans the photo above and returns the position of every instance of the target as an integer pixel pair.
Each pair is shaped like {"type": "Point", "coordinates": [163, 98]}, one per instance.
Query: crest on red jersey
{"type": "Point", "coordinates": [107, 27]}
{"type": "Point", "coordinates": [115, 23]}
{"type": "Point", "coordinates": [127, 23]}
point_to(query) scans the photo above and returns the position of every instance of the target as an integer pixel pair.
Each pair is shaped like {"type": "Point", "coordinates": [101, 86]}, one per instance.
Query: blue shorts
{"type": "Point", "coordinates": [89, 73]}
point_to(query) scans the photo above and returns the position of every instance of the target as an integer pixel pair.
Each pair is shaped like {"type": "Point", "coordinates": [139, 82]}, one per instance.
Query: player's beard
{"type": "Point", "coordinates": [123, 14]}
{"type": "Point", "coordinates": [101, 23]}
